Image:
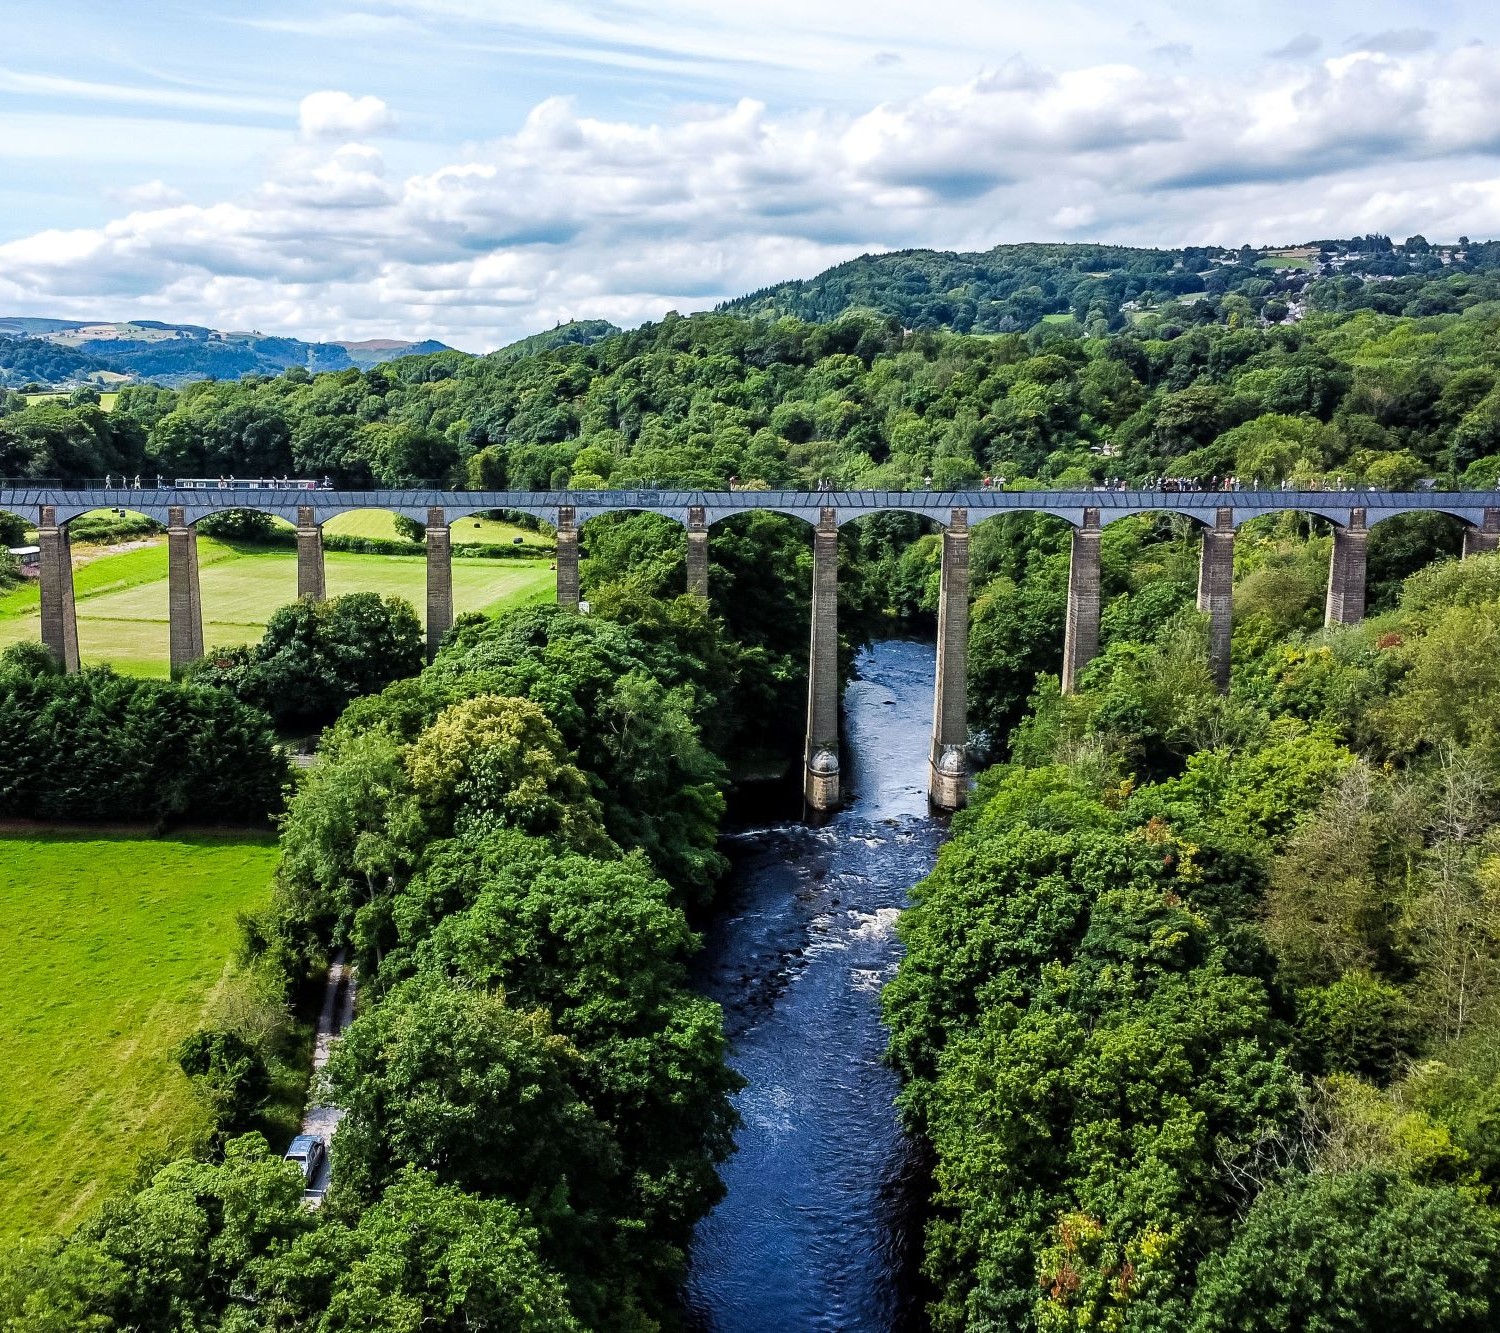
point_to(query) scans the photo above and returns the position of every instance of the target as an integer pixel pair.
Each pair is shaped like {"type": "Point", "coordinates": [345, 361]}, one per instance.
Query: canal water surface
{"type": "Point", "coordinates": [819, 1229]}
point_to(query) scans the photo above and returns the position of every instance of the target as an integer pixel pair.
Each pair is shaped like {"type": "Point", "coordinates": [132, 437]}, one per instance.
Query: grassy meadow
{"type": "Point", "coordinates": [122, 596]}
{"type": "Point", "coordinates": [113, 946]}
{"type": "Point", "coordinates": [107, 401]}
{"type": "Point", "coordinates": [381, 523]}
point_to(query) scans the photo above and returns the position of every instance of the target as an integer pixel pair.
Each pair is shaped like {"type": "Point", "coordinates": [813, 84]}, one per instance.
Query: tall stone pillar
{"type": "Point", "coordinates": [820, 784]}
{"type": "Point", "coordinates": [1346, 572]}
{"type": "Point", "coordinates": [1216, 593]}
{"type": "Point", "coordinates": [567, 557]}
{"type": "Point", "coordinates": [59, 620]}
{"type": "Point", "coordinates": [948, 768]}
{"type": "Point", "coordinates": [311, 577]}
{"type": "Point", "coordinates": [1486, 537]}
{"type": "Point", "coordinates": [439, 580]}
{"type": "Point", "coordinates": [184, 601]}
{"type": "Point", "coordinates": [697, 552]}
{"type": "Point", "coordinates": [1081, 638]}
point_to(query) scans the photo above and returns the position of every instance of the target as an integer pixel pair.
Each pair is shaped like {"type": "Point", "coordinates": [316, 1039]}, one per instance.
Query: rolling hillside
{"type": "Point", "coordinates": [60, 353]}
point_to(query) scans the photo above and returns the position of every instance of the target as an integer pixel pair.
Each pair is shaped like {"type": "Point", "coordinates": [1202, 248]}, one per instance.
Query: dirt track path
{"type": "Point", "coordinates": [337, 1014]}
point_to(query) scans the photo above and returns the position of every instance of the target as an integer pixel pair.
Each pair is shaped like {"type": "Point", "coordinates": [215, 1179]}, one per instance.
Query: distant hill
{"type": "Point", "coordinates": [1078, 289]}
{"type": "Point", "coordinates": [576, 333]}
{"type": "Point", "coordinates": [1013, 288]}
{"type": "Point", "coordinates": [993, 291]}
{"type": "Point", "coordinates": [62, 353]}
{"type": "Point", "coordinates": [373, 351]}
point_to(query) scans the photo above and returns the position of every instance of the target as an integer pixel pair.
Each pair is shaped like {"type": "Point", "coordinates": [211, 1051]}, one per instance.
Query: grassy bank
{"type": "Point", "coordinates": [112, 948]}
{"type": "Point", "coordinates": [122, 597]}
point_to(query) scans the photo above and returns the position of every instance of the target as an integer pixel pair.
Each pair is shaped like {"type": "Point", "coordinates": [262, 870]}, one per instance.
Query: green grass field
{"type": "Point", "coordinates": [107, 400]}
{"type": "Point", "coordinates": [110, 952]}
{"type": "Point", "coordinates": [1283, 261]}
{"type": "Point", "coordinates": [122, 598]}
{"type": "Point", "coordinates": [381, 523]}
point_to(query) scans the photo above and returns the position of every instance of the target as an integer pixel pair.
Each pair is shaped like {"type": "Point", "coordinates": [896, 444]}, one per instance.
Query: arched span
{"type": "Point", "coordinates": [1074, 518]}
{"type": "Point", "coordinates": [194, 518]}
{"type": "Point", "coordinates": [455, 513]}
{"type": "Point", "coordinates": [1340, 516]}
{"type": "Point", "coordinates": [1469, 516]}
{"type": "Point", "coordinates": [125, 507]}
{"type": "Point", "coordinates": [75, 508]}
{"type": "Point", "coordinates": [713, 516]}
{"type": "Point", "coordinates": [583, 517]}
{"type": "Point", "coordinates": [1202, 508]}
{"type": "Point", "coordinates": [333, 527]}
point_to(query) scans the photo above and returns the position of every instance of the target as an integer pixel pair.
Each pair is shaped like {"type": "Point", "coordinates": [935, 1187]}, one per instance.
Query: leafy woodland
{"type": "Point", "coordinates": [506, 844]}
{"type": "Point", "coordinates": [1363, 396]}
{"type": "Point", "coordinates": [1100, 289]}
{"type": "Point", "coordinates": [1201, 1006]}
{"type": "Point", "coordinates": [1200, 1015]}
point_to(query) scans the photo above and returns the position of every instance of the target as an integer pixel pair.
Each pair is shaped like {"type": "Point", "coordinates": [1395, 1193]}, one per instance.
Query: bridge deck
{"type": "Point", "coordinates": [198, 502]}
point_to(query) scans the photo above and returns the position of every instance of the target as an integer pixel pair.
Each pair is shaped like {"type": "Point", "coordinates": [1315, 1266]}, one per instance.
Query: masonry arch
{"type": "Point", "coordinates": [1009, 541]}
{"type": "Point", "coordinates": [898, 554]}
{"type": "Point", "coordinates": [1404, 541]}
{"type": "Point", "coordinates": [1282, 571]}
{"type": "Point", "coordinates": [513, 506]}
{"type": "Point", "coordinates": [378, 526]}
{"type": "Point", "coordinates": [1293, 521]}
{"type": "Point", "coordinates": [119, 608]}
{"type": "Point", "coordinates": [1468, 515]}
{"type": "Point", "coordinates": [641, 548]}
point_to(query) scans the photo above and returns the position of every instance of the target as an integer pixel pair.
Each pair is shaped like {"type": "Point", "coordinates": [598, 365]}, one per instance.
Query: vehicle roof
{"type": "Point", "coordinates": [302, 1142]}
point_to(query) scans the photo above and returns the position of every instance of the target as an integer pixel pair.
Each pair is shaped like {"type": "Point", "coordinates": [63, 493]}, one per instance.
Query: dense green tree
{"type": "Point", "coordinates": [228, 1073]}
{"type": "Point", "coordinates": [429, 1256]}
{"type": "Point", "coordinates": [1349, 1253]}
{"type": "Point", "coordinates": [602, 947]}
{"type": "Point", "coordinates": [625, 707]}
{"type": "Point", "coordinates": [502, 758]}
{"type": "Point", "coordinates": [178, 1254]}
{"type": "Point", "coordinates": [138, 750]}
{"type": "Point", "coordinates": [316, 656]}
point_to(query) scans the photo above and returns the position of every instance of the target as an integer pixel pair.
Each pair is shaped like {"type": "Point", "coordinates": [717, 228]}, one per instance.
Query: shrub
{"type": "Point", "coordinates": [239, 525]}
{"type": "Point", "coordinates": [1357, 1025]}
{"type": "Point", "coordinates": [317, 656]}
{"type": "Point", "coordinates": [228, 1073]}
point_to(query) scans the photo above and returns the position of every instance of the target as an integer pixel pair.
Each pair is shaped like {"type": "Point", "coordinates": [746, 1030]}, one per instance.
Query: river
{"type": "Point", "coordinates": [819, 1228]}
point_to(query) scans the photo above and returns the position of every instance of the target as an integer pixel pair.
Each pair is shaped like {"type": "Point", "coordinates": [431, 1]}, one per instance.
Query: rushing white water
{"type": "Point", "coordinates": [817, 1229]}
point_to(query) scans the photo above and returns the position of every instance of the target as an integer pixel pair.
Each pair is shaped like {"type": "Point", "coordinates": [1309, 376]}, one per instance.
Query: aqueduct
{"type": "Point", "coordinates": [1352, 514]}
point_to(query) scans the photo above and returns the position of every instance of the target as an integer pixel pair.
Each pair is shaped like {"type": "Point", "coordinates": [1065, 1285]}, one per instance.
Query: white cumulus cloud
{"type": "Point", "coordinates": [339, 115]}
{"type": "Point", "coordinates": [573, 216]}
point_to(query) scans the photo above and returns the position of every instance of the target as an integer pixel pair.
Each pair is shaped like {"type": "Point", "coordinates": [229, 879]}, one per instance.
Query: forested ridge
{"type": "Point", "coordinates": [1077, 288]}
{"type": "Point", "coordinates": [1383, 399]}
{"type": "Point", "coordinates": [1103, 288]}
{"type": "Point", "coordinates": [1201, 1010]}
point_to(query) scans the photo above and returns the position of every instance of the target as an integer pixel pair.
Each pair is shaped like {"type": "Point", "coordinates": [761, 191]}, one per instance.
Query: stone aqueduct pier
{"type": "Point", "coordinates": [1352, 514]}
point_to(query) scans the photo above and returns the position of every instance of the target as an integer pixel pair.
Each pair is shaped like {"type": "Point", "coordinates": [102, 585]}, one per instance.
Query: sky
{"type": "Point", "coordinates": [478, 170]}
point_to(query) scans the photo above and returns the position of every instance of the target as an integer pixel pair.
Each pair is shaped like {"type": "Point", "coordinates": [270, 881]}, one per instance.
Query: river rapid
{"type": "Point", "coordinates": [820, 1228]}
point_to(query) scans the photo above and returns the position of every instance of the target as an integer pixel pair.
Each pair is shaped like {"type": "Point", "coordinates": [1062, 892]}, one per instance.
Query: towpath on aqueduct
{"type": "Point", "coordinates": [1220, 513]}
